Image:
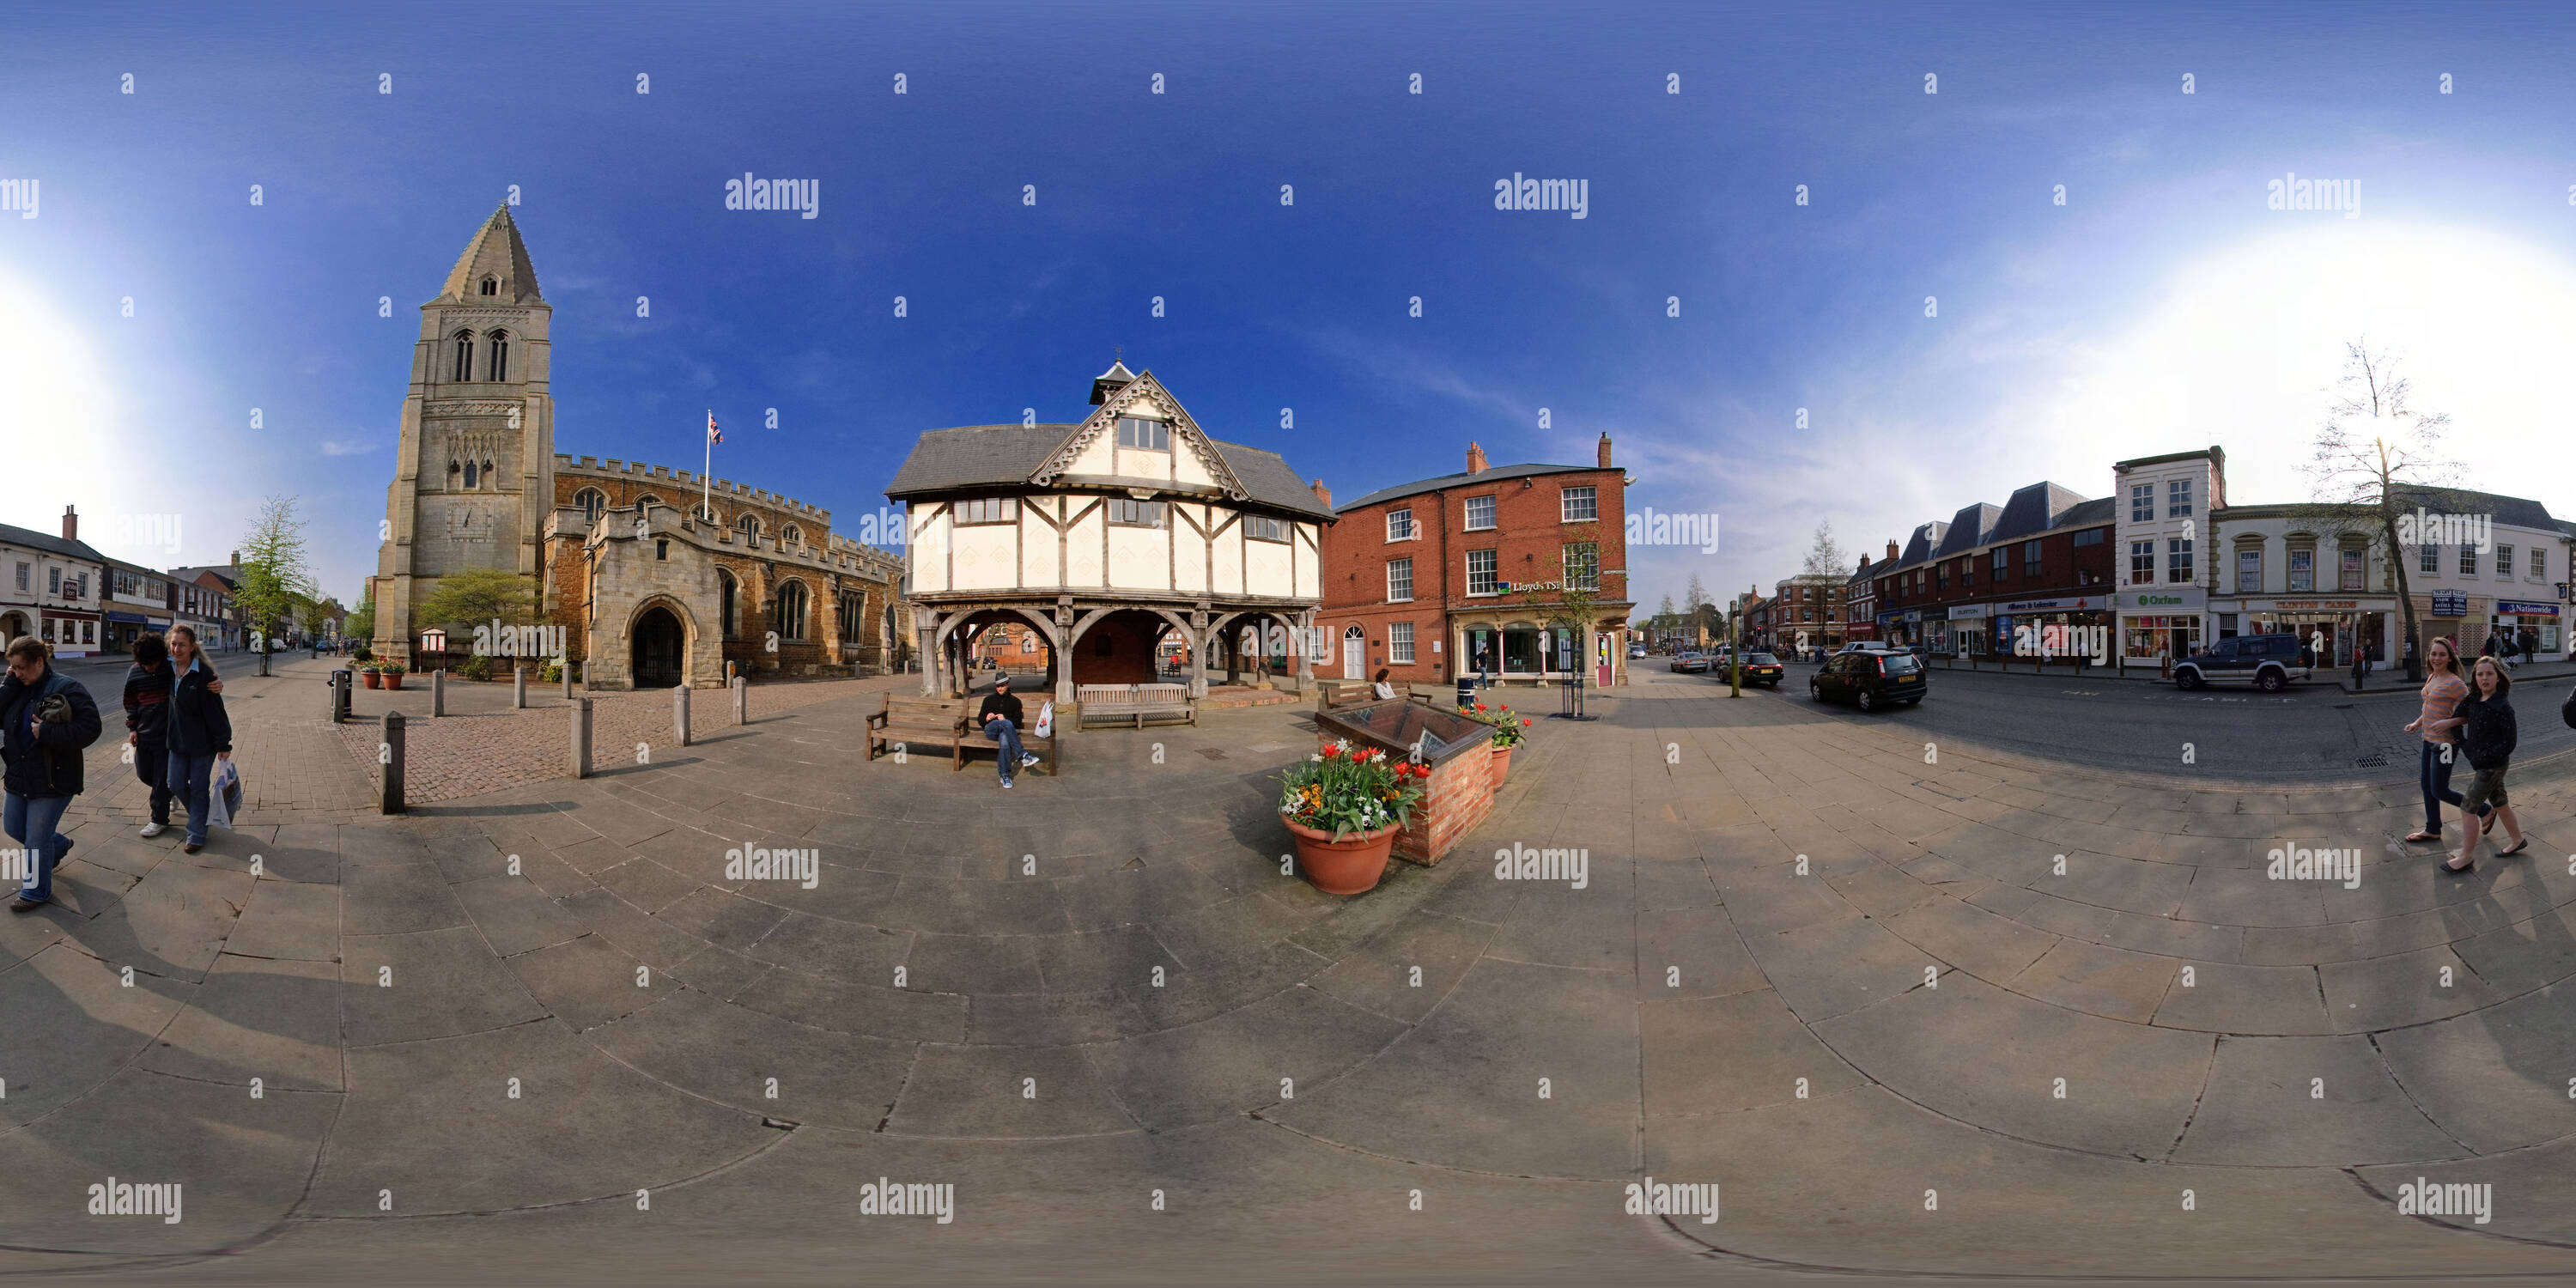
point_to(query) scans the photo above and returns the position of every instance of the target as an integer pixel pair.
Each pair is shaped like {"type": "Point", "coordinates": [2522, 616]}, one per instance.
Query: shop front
{"type": "Point", "coordinates": [1967, 630]}
{"type": "Point", "coordinates": [1903, 629]}
{"type": "Point", "coordinates": [2530, 622]}
{"type": "Point", "coordinates": [2333, 628]}
{"type": "Point", "coordinates": [2157, 626]}
{"type": "Point", "coordinates": [2039, 614]}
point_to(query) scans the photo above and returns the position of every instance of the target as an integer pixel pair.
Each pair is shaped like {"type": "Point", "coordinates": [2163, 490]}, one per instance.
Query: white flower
{"type": "Point", "coordinates": [1318, 758]}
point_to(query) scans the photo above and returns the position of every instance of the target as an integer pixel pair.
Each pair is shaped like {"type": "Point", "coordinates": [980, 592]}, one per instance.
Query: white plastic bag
{"type": "Point", "coordinates": [223, 795]}
{"type": "Point", "coordinates": [1045, 727]}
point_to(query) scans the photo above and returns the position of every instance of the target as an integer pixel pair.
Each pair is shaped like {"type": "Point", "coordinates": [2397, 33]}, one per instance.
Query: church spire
{"type": "Point", "coordinates": [496, 257]}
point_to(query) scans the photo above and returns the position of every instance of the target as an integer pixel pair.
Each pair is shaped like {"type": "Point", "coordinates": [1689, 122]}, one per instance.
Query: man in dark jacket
{"type": "Point", "coordinates": [147, 723]}
{"type": "Point", "coordinates": [46, 720]}
{"type": "Point", "coordinates": [1000, 718]}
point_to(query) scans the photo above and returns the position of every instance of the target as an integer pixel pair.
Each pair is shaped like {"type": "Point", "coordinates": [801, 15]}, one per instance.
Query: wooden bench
{"type": "Point", "coordinates": [973, 738]}
{"type": "Point", "coordinates": [917, 722]}
{"type": "Point", "coordinates": [1333, 695]}
{"type": "Point", "coordinates": [1124, 703]}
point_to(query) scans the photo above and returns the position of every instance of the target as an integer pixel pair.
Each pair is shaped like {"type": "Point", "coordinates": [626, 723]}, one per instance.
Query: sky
{"type": "Point", "coordinates": [2059, 257]}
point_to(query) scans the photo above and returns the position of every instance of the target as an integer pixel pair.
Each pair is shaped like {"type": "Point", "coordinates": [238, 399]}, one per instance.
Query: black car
{"type": "Point", "coordinates": [1759, 668]}
{"type": "Point", "coordinates": [1872, 679]}
{"type": "Point", "coordinates": [2270, 662]}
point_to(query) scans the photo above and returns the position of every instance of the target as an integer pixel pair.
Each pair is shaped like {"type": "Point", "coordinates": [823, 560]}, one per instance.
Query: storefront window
{"type": "Point", "coordinates": [1520, 651]}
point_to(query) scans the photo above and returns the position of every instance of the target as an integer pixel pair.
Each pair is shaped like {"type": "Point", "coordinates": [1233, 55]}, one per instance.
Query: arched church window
{"type": "Point", "coordinates": [792, 536]}
{"type": "Point", "coordinates": [750, 525]}
{"type": "Point", "coordinates": [499, 343]}
{"type": "Point", "coordinates": [791, 611]}
{"type": "Point", "coordinates": [853, 613]}
{"type": "Point", "coordinates": [464, 357]}
{"type": "Point", "coordinates": [469, 476]}
{"type": "Point", "coordinates": [491, 286]}
{"type": "Point", "coordinates": [593, 503]}
{"type": "Point", "coordinates": [726, 597]}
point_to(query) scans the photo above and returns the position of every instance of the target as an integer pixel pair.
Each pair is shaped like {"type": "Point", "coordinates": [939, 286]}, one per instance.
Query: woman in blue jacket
{"type": "Point", "coordinates": [200, 732]}
{"type": "Point", "coordinates": [46, 720]}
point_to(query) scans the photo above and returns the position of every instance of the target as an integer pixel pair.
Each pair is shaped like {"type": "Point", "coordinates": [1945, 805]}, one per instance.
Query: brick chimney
{"type": "Point", "coordinates": [1322, 493]}
{"type": "Point", "coordinates": [1476, 463]}
{"type": "Point", "coordinates": [236, 560]}
{"type": "Point", "coordinates": [1605, 451]}
{"type": "Point", "coordinates": [71, 524]}
{"type": "Point", "coordinates": [1891, 547]}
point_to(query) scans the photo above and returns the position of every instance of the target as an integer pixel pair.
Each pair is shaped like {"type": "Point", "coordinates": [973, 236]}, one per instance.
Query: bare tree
{"type": "Point", "coordinates": [2375, 457]}
{"type": "Point", "coordinates": [1827, 557]}
{"type": "Point", "coordinates": [1694, 596]}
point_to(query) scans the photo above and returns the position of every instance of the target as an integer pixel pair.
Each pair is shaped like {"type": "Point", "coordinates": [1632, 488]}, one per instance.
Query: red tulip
{"type": "Point", "coordinates": [1524, 724]}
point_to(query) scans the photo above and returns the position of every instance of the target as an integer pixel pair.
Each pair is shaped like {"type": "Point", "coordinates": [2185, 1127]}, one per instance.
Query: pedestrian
{"type": "Point", "coordinates": [1000, 718]}
{"type": "Point", "coordinates": [200, 732]}
{"type": "Point", "coordinates": [147, 723]}
{"type": "Point", "coordinates": [2486, 737]}
{"type": "Point", "coordinates": [46, 721]}
{"type": "Point", "coordinates": [2360, 667]}
{"type": "Point", "coordinates": [1385, 691]}
{"type": "Point", "coordinates": [2443, 690]}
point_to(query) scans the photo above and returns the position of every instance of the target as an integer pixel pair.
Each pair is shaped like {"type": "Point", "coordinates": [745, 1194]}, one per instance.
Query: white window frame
{"type": "Point", "coordinates": [2178, 498]}
{"type": "Point", "coordinates": [1493, 571]}
{"type": "Point", "coordinates": [1399, 643]}
{"type": "Point", "coordinates": [2142, 503]}
{"type": "Point", "coordinates": [1155, 429]}
{"type": "Point", "coordinates": [987, 510]}
{"type": "Point", "coordinates": [1490, 513]}
{"type": "Point", "coordinates": [1400, 526]}
{"type": "Point", "coordinates": [1392, 567]}
{"type": "Point", "coordinates": [1591, 507]}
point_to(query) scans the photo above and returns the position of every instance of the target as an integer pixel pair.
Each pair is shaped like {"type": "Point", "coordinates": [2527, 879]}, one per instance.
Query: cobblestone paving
{"type": "Point", "coordinates": [1804, 963]}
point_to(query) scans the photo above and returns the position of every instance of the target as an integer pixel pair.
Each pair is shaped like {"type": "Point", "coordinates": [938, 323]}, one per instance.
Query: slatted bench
{"type": "Point", "coordinates": [1135, 703]}
{"type": "Point", "coordinates": [1336, 694]}
{"type": "Point", "coordinates": [973, 738]}
{"type": "Point", "coordinates": [917, 722]}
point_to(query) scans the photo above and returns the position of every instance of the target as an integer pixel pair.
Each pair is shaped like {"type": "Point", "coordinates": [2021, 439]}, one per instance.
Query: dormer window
{"type": "Point", "coordinates": [1144, 435]}
{"type": "Point", "coordinates": [491, 286]}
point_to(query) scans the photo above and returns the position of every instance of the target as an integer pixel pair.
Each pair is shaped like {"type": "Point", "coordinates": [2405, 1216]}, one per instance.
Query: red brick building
{"type": "Point", "coordinates": [2043, 558]}
{"type": "Point", "coordinates": [1426, 578]}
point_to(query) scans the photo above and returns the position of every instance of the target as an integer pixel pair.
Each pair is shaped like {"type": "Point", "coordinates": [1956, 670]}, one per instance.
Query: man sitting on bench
{"type": "Point", "coordinates": [1000, 719]}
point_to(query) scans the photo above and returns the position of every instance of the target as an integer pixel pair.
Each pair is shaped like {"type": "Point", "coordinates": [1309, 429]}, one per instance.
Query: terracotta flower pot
{"type": "Point", "coordinates": [1502, 764]}
{"type": "Point", "coordinates": [393, 681]}
{"type": "Point", "coordinates": [374, 679]}
{"type": "Point", "coordinates": [1349, 866]}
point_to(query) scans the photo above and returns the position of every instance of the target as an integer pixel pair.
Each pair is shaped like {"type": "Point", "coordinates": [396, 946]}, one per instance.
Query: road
{"type": "Point", "coordinates": [2309, 733]}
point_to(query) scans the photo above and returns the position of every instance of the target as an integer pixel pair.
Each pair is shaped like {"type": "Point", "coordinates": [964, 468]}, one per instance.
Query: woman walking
{"type": "Point", "coordinates": [200, 732]}
{"type": "Point", "coordinates": [2487, 735]}
{"type": "Point", "coordinates": [2443, 690]}
{"type": "Point", "coordinates": [46, 720]}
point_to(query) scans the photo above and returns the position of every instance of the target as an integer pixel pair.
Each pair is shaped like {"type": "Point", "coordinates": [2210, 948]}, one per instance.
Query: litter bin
{"type": "Point", "coordinates": [1466, 691]}
{"type": "Point", "coordinates": [340, 683]}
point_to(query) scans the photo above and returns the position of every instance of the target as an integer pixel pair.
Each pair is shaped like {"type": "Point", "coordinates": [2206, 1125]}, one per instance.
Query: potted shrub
{"type": "Point", "coordinates": [1509, 729]}
{"type": "Point", "coordinates": [1345, 806]}
{"type": "Point", "coordinates": [374, 678]}
{"type": "Point", "coordinates": [394, 672]}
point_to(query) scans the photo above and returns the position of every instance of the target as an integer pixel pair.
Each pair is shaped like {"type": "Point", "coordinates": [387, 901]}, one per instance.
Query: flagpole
{"type": "Point", "coordinates": [706, 478]}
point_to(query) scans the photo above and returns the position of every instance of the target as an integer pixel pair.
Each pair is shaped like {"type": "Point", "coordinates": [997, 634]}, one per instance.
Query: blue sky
{"type": "Point", "coordinates": [2163, 306]}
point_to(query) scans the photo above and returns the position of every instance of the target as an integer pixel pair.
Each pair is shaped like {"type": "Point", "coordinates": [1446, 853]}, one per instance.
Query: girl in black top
{"type": "Point", "coordinates": [2486, 736]}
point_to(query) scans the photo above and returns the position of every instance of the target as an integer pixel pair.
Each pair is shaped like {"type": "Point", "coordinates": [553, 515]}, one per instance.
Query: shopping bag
{"type": "Point", "coordinates": [223, 796]}
{"type": "Point", "coordinates": [1045, 727]}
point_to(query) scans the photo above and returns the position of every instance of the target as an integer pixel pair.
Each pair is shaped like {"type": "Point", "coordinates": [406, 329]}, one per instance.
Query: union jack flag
{"type": "Point", "coordinates": [714, 435]}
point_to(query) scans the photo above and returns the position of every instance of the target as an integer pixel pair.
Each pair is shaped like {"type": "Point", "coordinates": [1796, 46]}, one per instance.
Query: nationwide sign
{"type": "Point", "coordinates": [2517, 608]}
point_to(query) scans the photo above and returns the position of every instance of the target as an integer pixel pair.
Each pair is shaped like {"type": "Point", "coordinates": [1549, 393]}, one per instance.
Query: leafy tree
{"type": "Point", "coordinates": [276, 571]}
{"type": "Point", "coordinates": [2375, 457]}
{"type": "Point", "coordinates": [362, 619]}
{"type": "Point", "coordinates": [479, 595]}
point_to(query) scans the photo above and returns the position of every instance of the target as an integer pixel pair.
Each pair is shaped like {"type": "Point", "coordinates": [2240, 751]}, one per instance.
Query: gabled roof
{"type": "Point", "coordinates": [1968, 529]}
{"type": "Point", "coordinates": [229, 574]}
{"type": "Point", "coordinates": [496, 251]}
{"type": "Point", "coordinates": [1492, 474]}
{"type": "Point", "coordinates": [1920, 547]}
{"type": "Point", "coordinates": [2033, 510]}
{"type": "Point", "coordinates": [1009, 456]}
{"type": "Point", "coordinates": [49, 543]}
{"type": "Point", "coordinates": [2090, 514]}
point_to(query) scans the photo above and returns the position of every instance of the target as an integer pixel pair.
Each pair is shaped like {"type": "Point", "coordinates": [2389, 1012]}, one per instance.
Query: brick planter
{"type": "Point", "coordinates": [1459, 793]}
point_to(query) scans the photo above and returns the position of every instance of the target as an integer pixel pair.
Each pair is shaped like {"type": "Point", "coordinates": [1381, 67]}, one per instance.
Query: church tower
{"type": "Point", "coordinates": [474, 481]}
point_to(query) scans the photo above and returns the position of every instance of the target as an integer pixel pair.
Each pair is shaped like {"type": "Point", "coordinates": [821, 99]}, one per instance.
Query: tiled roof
{"type": "Point", "coordinates": [948, 460]}
{"type": "Point", "coordinates": [2033, 510]}
{"type": "Point", "coordinates": [1490, 475]}
{"type": "Point", "coordinates": [49, 543]}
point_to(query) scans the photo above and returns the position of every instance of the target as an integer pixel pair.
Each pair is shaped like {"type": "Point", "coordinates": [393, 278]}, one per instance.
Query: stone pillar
{"type": "Point", "coordinates": [741, 700]}
{"type": "Point", "coordinates": [680, 712]}
{"type": "Point", "coordinates": [518, 688]}
{"type": "Point", "coordinates": [580, 763]}
{"type": "Point", "coordinates": [438, 693]}
{"type": "Point", "coordinates": [389, 758]}
{"type": "Point", "coordinates": [565, 675]}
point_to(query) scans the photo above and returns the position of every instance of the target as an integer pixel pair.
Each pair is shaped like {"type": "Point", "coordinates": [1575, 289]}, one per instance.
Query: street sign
{"type": "Point", "coordinates": [2450, 603]}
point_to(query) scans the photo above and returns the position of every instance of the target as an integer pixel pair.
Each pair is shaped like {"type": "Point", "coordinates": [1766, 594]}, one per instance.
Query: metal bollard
{"type": "Point", "coordinates": [438, 693]}
{"type": "Point", "coordinates": [389, 757]}
{"type": "Point", "coordinates": [741, 700]}
{"type": "Point", "coordinates": [340, 684]}
{"type": "Point", "coordinates": [565, 674]}
{"type": "Point", "coordinates": [680, 712]}
{"type": "Point", "coordinates": [518, 688]}
{"type": "Point", "coordinates": [581, 738]}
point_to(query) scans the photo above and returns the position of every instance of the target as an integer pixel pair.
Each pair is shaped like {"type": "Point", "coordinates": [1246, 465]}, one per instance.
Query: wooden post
{"type": "Point", "coordinates": [580, 765]}
{"type": "Point", "coordinates": [389, 760]}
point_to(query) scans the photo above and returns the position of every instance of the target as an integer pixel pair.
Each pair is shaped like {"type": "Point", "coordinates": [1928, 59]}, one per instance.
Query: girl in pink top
{"type": "Point", "coordinates": [2443, 689]}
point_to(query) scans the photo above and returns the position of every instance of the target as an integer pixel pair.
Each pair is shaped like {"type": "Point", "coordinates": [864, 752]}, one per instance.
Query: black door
{"type": "Point", "coordinates": [657, 650]}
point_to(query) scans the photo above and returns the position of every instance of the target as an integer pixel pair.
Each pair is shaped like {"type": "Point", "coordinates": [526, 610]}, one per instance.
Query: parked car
{"type": "Point", "coordinates": [1636, 651]}
{"type": "Point", "coordinates": [1690, 660]}
{"type": "Point", "coordinates": [1871, 678]}
{"type": "Point", "coordinates": [1763, 668]}
{"type": "Point", "coordinates": [2269, 662]}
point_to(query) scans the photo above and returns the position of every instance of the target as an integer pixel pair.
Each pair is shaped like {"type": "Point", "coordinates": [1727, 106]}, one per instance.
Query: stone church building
{"type": "Point", "coordinates": [655, 582]}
